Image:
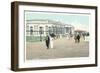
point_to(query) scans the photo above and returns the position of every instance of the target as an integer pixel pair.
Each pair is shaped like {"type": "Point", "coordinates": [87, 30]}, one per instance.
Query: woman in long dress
{"type": "Point", "coordinates": [51, 42]}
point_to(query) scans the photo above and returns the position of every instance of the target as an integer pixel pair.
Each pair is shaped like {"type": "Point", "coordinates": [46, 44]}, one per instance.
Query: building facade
{"type": "Point", "coordinates": [44, 27]}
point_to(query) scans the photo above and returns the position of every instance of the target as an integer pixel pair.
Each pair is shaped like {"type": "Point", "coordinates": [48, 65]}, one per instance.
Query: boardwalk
{"type": "Point", "coordinates": [63, 48]}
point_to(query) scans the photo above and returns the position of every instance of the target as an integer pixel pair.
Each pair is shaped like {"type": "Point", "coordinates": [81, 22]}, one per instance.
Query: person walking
{"type": "Point", "coordinates": [78, 38]}
{"type": "Point", "coordinates": [47, 41]}
{"type": "Point", "coordinates": [75, 38]}
{"type": "Point", "coordinates": [51, 42]}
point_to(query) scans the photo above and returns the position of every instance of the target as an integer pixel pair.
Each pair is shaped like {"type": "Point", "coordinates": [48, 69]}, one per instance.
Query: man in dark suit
{"type": "Point", "coordinates": [47, 41]}
{"type": "Point", "coordinates": [78, 38]}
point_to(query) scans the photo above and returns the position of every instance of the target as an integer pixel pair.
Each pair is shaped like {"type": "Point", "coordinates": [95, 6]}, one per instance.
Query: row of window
{"type": "Point", "coordinates": [55, 30]}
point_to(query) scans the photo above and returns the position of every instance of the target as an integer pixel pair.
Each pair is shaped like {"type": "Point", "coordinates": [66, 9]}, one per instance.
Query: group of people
{"type": "Point", "coordinates": [49, 41]}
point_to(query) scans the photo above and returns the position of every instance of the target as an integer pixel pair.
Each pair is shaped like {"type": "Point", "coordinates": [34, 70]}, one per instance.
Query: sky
{"type": "Point", "coordinates": [79, 21]}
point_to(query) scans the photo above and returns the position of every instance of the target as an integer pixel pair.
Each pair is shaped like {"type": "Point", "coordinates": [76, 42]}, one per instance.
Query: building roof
{"type": "Point", "coordinates": [79, 30]}
{"type": "Point", "coordinates": [41, 21]}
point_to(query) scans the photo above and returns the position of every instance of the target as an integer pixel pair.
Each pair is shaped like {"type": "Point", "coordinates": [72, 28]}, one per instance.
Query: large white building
{"type": "Point", "coordinates": [44, 27]}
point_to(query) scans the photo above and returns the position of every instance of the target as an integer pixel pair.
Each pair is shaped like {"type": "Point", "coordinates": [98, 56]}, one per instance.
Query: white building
{"type": "Point", "coordinates": [44, 27]}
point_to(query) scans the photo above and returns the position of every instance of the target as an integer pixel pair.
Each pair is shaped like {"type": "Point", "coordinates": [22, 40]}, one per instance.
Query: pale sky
{"type": "Point", "coordinates": [79, 21]}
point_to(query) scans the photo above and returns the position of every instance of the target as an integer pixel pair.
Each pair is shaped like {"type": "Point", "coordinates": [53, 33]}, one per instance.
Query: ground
{"type": "Point", "coordinates": [63, 48]}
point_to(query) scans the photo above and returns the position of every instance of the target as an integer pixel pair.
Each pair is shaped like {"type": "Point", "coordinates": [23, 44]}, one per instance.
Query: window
{"type": "Point", "coordinates": [27, 30]}
{"type": "Point", "coordinates": [31, 30]}
{"type": "Point", "coordinates": [36, 29]}
{"type": "Point", "coordinates": [50, 30]}
{"type": "Point", "coordinates": [41, 31]}
{"type": "Point", "coordinates": [46, 29]}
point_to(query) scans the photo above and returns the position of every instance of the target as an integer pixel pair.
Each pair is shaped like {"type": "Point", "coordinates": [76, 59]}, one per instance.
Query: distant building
{"type": "Point", "coordinates": [81, 32]}
{"type": "Point", "coordinates": [44, 27]}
